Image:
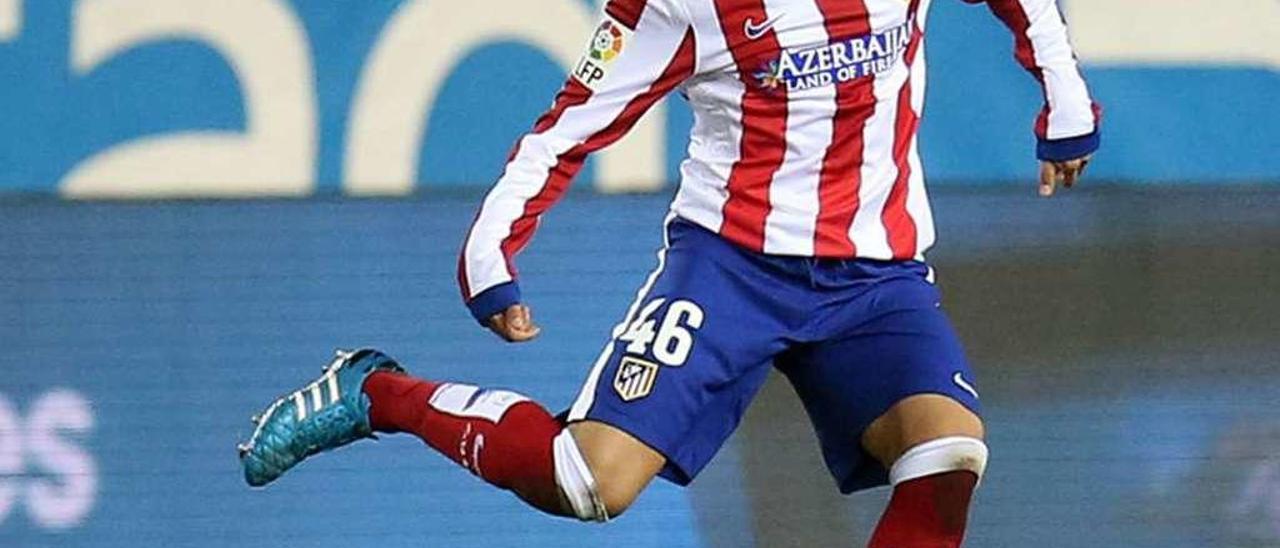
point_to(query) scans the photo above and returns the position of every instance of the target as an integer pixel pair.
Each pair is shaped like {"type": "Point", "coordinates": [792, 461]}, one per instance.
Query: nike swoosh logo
{"type": "Point", "coordinates": [963, 384]}
{"type": "Point", "coordinates": [756, 32]}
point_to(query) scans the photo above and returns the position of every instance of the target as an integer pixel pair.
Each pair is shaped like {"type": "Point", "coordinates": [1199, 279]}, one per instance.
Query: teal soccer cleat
{"type": "Point", "coordinates": [329, 413]}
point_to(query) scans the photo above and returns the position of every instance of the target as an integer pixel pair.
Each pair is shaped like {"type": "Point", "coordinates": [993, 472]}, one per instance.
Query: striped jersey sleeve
{"type": "Point", "coordinates": [1068, 125]}
{"type": "Point", "coordinates": [640, 51]}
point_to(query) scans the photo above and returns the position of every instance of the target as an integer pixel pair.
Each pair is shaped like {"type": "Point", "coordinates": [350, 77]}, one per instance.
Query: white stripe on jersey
{"type": "Point", "coordinates": [794, 203]}
{"type": "Point", "coordinates": [716, 133]}
{"type": "Point", "coordinates": [917, 195]}
{"type": "Point", "coordinates": [878, 169]}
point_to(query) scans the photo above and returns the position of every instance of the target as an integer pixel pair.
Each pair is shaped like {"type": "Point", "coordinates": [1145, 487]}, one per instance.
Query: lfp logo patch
{"type": "Point", "coordinates": [606, 45]}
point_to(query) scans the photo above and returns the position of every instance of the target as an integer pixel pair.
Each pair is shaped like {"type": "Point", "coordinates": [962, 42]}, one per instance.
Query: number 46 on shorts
{"type": "Point", "coordinates": [670, 336]}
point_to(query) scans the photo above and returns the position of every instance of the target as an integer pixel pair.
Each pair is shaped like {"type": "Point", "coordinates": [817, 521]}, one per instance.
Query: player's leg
{"type": "Point", "coordinates": [933, 448]}
{"type": "Point", "coordinates": [893, 402]}
{"type": "Point", "coordinates": [590, 471]}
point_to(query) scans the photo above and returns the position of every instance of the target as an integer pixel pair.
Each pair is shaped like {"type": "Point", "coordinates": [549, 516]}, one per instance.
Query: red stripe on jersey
{"type": "Point", "coordinates": [1042, 122]}
{"type": "Point", "coordinates": [764, 123]}
{"type": "Point", "coordinates": [841, 177]}
{"type": "Point", "coordinates": [1012, 13]}
{"type": "Point", "coordinates": [569, 163]}
{"type": "Point", "coordinates": [626, 12]}
{"type": "Point", "coordinates": [573, 94]}
{"type": "Point", "coordinates": [899, 225]}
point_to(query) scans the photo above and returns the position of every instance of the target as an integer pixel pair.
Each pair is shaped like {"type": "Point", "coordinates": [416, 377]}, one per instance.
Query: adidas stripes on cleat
{"type": "Point", "coordinates": [329, 413]}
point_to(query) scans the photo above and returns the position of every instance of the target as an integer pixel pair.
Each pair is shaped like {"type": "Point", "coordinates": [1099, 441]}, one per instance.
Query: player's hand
{"type": "Point", "coordinates": [515, 324]}
{"type": "Point", "coordinates": [1067, 173]}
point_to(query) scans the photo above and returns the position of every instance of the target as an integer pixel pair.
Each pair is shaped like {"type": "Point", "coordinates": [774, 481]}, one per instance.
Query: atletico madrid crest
{"type": "Point", "coordinates": [635, 378]}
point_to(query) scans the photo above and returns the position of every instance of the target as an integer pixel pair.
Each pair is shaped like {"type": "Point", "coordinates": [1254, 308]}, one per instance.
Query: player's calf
{"type": "Point", "coordinates": [500, 436]}
{"type": "Point", "coordinates": [933, 485]}
{"type": "Point", "coordinates": [936, 456]}
{"type": "Point", "coordinates": [589, 470]}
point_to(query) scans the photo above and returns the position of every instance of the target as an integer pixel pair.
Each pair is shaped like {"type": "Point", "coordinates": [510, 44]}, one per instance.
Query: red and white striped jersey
{"type": "Point", "coordinates": [805, 134]}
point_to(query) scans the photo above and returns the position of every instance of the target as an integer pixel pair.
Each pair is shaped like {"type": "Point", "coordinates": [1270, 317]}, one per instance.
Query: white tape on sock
{"type": "Point", "coordinates": [575, 479]}
{"type": "Point", "coordinates": [940, 456]}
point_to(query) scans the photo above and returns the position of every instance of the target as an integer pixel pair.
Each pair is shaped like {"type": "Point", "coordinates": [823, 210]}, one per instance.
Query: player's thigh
{"type": "Point", "coordinates": [677, 381]}
{"type": "Point", "coordinates": [893, 378]}
{"type": "Point", "coordinates": [691, 353]}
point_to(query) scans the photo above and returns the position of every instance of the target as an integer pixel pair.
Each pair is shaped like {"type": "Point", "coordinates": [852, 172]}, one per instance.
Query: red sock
{"type": "Point", "coordinates": [500, 436]}
{"type": "Point", "coordinates": [928, 512]}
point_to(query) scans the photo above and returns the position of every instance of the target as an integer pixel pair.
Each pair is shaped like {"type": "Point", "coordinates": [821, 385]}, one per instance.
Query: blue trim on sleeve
{"type": "Point", "coordinates": [1061, 150]}
{"type": "Point", "coordinates": [493, 300]}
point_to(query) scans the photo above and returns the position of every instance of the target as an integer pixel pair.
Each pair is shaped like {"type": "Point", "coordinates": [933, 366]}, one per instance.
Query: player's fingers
{"type": "Point", "coordinates": [525, 336]}
{"type": "Point", "coordinates": [519, 336]}
{"type": "Point", "coordinates": [1048, 178]}
{"type": "Point", "coordinates": [517, 317]}
{"type": "Point", "coordinates": [520, 326]}
{"type": "Point", "coordinates": [522, 320]}
{"type": "Point", "coordinates": [498, 325]}
{"type": "Point", "coordinates": [1070, 172]}
{"type": "Point", "coordinates": [502, 325]}
{"type": "Point", "coordinates": [1080, 164]}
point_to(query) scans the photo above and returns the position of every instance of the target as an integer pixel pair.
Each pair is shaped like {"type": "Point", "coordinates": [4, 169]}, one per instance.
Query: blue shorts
{"type": "Point", "coordinates": [854, 337]}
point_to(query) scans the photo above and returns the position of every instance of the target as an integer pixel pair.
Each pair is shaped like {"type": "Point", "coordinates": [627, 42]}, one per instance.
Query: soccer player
{"type": "Point", "coordinates": [796, 241]}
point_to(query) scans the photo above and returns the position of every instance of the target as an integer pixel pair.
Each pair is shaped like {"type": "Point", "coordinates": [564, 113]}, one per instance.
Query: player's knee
{"type": "Point", "coordinates": [616, 496]}
{"type": "Point", "coordinates": [576, 480]}
{"type": "Point", "coordinates": [917, 420]}
{"type": "Point", "coordinates": [940, 456]}
{"type": "Point", "coordinates": [597, 485]}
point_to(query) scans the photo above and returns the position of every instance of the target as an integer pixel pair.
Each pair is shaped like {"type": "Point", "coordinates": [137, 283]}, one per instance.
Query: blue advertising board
{"type": "Point", "coordinates": [139, 338]}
